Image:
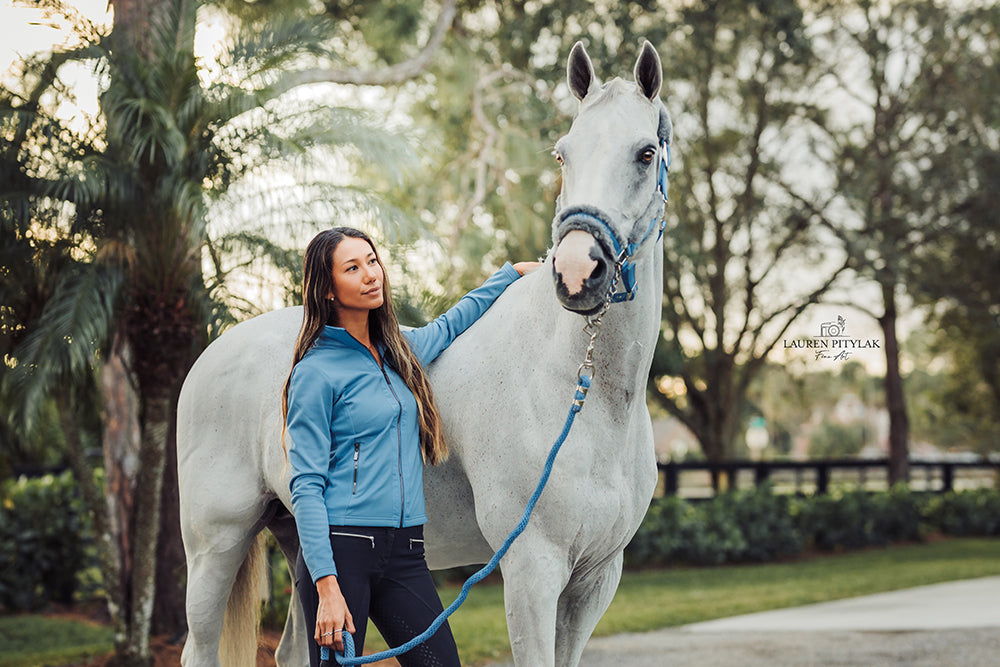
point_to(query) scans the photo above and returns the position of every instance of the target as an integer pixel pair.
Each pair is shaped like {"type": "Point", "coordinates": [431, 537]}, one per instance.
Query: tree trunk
{"type": "Point", "coordinates": [899, 425]}
{"type": "Point", "coordinates": [121, 442]}
{"type": "Point", "coordinates": [133, 19]}
{"type": "Point", "coordinates": [168, 609]}
{"type": "Point", "coordinates": [147, 524]}
{"type": "Point", "coordinates": [94, 497]}
{"type": "Point", "coordinates": [718, 437]}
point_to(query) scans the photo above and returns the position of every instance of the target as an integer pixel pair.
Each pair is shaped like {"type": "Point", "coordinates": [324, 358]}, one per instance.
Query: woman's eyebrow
{"type": "Point", "coordinates": [355, 260]}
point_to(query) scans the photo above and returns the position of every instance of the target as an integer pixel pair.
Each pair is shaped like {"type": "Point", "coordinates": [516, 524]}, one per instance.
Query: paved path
{"type": "Point", "coordinates": [954, 624]}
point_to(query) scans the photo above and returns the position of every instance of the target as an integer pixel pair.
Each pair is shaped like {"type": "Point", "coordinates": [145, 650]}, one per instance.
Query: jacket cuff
{"type": "Point", "coordinates": [509, 272]}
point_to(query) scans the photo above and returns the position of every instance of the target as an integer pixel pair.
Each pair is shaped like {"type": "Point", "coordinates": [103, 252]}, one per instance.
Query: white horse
{"type": "Point", "coordinates": [504, 388]}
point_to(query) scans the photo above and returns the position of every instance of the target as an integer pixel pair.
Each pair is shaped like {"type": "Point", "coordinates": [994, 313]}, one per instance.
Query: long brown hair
{"type": "Point", "coordinates": [317, 283]}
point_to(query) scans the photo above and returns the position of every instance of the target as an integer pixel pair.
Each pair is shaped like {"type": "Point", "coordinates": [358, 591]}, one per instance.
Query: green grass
{"type": "Point", "coordinates": [664, 598]}
{"type": "Point", "coordinates": [645, 600]}
{"type": "Point", "coordinates": [30, 640]}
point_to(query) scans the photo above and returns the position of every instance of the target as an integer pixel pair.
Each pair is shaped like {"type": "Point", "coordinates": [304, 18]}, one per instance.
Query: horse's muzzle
{"type": "Point", "coordinates": [583, 265]}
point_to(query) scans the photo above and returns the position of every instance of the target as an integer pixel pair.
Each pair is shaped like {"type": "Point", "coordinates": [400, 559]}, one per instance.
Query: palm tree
{"type": "Point", "coordinates": [132, 199]}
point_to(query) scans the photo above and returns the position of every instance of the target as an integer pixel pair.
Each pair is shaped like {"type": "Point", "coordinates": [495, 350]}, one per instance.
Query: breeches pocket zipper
{"type": "Point", "coordinates": [355, 535]}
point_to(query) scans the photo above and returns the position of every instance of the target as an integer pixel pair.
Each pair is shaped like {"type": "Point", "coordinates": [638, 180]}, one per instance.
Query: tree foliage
{"type": "Point", "coordinates": [735, 237]}
{"type": "Point", "coordinates": [958, 277]}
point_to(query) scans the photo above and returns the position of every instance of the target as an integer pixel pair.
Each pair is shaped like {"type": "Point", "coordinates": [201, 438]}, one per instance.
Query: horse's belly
{"type": "Point", "coordinates": [452, 534]}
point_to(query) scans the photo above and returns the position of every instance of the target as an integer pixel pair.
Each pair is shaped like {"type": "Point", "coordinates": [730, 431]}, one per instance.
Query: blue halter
{"type": "Point", "coordinates": [628, 267]}
{"type": "Point", "coordinates": [624, 251]}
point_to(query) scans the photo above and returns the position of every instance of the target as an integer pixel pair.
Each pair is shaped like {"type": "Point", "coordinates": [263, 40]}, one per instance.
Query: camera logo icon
{"type": "Point", "coordinates": [831, 329]}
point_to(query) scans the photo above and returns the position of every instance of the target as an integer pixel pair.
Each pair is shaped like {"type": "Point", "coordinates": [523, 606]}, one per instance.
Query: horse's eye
{"type": "Point", "coordinates": [647, 155]}
{"type": "Point", "coordinates": [558, 158]}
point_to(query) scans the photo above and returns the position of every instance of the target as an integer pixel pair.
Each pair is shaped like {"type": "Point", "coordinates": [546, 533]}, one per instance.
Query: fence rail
{"type": "Point", "coordinates": [702, 478]}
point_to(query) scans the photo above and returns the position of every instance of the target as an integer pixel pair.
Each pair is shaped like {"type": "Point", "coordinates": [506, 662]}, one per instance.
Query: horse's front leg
{"type": "Point", "coordinates": [581, 606]}
{"type": "Point", "coordinates": [534, 574]}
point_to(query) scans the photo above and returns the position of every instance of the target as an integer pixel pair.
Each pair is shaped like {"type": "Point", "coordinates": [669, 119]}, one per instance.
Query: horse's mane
{"type": "Point", "coordinates": [608, 91]}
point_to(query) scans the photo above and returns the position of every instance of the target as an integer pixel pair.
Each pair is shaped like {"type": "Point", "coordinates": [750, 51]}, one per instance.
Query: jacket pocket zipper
{"type": "Point", "coordinates": [357, 455]}
{"type": "Point", "coordinates": [363, 537]}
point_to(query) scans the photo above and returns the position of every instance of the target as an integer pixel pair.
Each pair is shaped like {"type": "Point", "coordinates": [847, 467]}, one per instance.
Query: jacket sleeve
{"type": "Point", "coordinates": [430, 340]}
{"type": "Point", "coordinates": [310, 413]}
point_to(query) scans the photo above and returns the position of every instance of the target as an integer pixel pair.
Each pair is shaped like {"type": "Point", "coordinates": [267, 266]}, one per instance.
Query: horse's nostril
{"type": "Point", "coordinates": [597, 274]}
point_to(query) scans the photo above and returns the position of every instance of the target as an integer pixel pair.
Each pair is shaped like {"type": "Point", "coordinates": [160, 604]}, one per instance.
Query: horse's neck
{"type": "Point", "coordinates": [630, 329]}
{"type": "Point", "coordinates": [628, 333]}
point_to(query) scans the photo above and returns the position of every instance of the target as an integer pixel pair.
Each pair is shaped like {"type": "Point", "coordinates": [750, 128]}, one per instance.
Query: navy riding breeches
{"type": "Point", "coordinates": [383, 575]}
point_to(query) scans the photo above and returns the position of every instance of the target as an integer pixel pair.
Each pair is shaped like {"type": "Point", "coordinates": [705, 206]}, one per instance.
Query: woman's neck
{"type": "Point", "coordinates": [356, 324]}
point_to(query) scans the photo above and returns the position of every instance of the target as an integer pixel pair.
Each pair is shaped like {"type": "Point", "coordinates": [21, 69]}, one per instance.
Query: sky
{"type": "Point", "coordinates": [25, 29]}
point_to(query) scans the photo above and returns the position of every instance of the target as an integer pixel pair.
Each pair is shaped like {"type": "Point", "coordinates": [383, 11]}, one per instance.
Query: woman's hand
{"type": "Point", "coordinates": [332, 615]}
{"type": "Point", "coordinates": [525, 268]}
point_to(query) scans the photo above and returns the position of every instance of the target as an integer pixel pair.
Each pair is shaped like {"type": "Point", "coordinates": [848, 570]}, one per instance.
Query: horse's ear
{"type": "Point", "coordinates": [648, 71]}
{"type": "Point", "coordinates": [580, 71]}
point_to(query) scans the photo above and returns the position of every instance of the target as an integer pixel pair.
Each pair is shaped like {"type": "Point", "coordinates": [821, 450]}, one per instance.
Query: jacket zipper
{"type": "Point", "coordinates": [357, 454]}
{"type": "Point", "coordinates": [363, 537]}
{"type": "Point", "coordinates": [399, 447]}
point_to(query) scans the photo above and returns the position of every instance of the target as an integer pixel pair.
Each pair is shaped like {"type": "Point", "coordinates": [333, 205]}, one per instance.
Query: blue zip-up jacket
{"type": "Point", "coordinates": [354, 430]}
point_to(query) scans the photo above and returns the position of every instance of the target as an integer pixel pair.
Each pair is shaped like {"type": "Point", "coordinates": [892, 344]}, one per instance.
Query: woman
{"type": "Point", "coordinates": [362, 420]}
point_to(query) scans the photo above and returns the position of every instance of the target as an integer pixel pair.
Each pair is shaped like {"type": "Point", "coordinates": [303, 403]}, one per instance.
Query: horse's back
{"type": "Point", "coordinates": [229, 416]}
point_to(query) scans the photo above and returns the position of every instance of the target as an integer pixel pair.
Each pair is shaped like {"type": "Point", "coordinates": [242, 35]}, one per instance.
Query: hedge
{"type": "Point", "coordinates": [757, 525]}
{"type": "Point", "coordinates": [44, 532]}
{"type": "Point", "coordinates": [47, 555]}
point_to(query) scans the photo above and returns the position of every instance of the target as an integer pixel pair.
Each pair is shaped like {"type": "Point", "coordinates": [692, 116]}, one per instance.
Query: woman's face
{"type": "Point", "coordinates": [357, 276]}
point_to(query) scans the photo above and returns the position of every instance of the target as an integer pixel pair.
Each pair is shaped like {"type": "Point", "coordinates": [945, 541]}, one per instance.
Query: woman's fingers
{"type": "Point", "coordinates": [334, 638]}
{"type": "Point", "coordinates": [324, 637]}
{"type": "Point", "coordinates": [525, 268]}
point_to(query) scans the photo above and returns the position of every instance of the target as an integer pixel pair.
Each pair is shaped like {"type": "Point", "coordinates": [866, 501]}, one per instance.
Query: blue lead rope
{"type": "Point", "coordinates": [348, 657]}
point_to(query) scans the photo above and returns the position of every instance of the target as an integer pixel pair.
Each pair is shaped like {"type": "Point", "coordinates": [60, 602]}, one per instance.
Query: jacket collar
{"type": "Point", "coordinates": [338, 337]}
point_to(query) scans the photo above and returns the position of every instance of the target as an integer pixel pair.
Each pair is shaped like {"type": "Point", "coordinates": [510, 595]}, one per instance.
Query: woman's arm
{"type": "Point", "coordinates": [310, 412]}
{"type": "Point", "coordinates": [429, 341]}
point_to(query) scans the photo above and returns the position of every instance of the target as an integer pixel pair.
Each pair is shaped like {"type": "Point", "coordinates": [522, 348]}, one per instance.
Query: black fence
{"type": "Point", "coordinates": [703, 478]}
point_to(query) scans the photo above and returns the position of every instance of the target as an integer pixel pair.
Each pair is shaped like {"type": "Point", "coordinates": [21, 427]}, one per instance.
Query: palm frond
{"type": "Point", "coordinates": [298, 210]}
{"type": "Point", "coordinates": [313, 138]}
{"type": "Point", "coordinates": [65, 342]}
{"type": "Point", "coordinates": [278, 44]}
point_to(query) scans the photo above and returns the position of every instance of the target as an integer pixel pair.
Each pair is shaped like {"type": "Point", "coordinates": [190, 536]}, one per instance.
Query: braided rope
{"type": "Point", "coordinates": [348, 657]}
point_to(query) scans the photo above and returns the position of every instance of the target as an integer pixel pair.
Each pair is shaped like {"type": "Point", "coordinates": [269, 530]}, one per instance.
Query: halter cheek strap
{"type": "Point", "coordinates": [659, 220]}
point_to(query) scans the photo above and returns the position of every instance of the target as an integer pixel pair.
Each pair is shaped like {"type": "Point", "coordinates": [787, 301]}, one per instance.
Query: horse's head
{"type": "Point", "coordinates": [611, 164]}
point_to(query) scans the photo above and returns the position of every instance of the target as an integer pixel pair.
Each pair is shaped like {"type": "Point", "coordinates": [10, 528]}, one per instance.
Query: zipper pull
{"type": "Point", "coordinates": [357, 453]}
